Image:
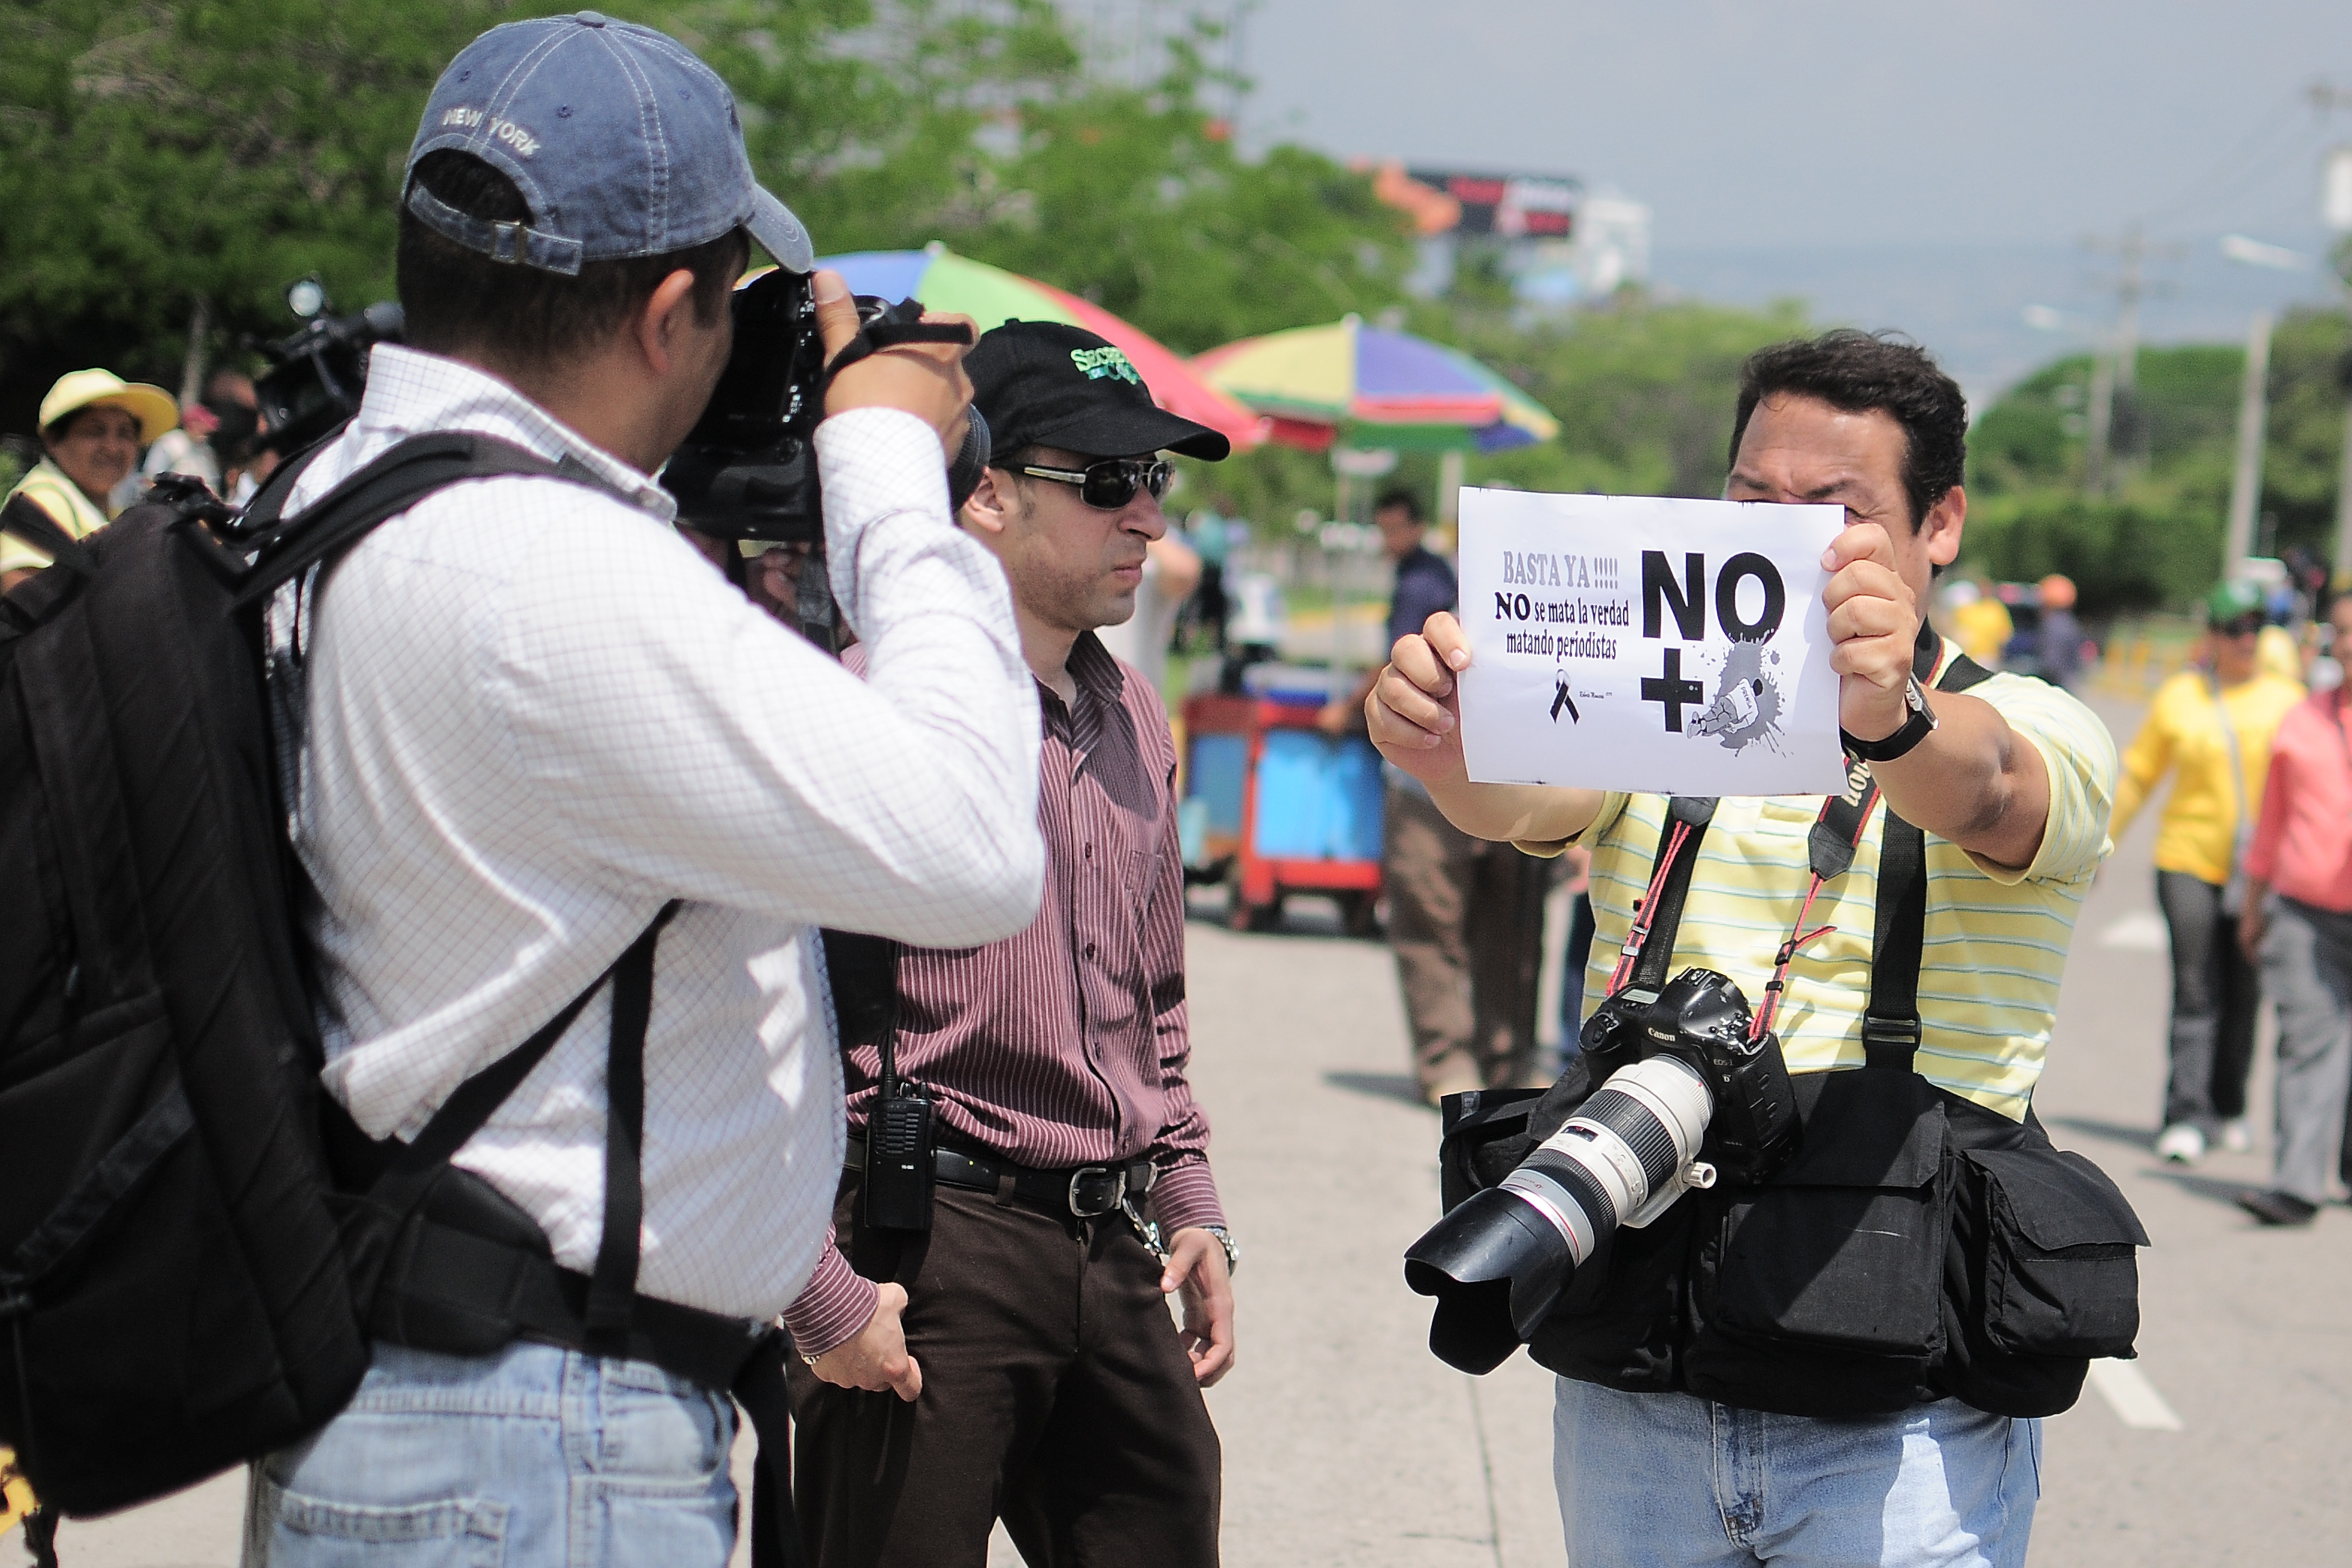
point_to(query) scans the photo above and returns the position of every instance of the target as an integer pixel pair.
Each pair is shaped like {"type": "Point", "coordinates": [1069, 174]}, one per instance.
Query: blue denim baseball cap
{"type": "Point", "coordinates": [621, 141]}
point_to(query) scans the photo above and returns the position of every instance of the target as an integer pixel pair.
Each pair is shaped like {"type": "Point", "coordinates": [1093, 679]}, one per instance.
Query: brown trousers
{"type": "Point", "coordinates": [1466, 921]}
{"type": "Point", "coordinates": [1056, 1396]}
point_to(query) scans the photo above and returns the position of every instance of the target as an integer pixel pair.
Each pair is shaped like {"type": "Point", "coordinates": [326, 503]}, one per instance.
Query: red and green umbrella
{"type": "Point", "coordinates": [991, 296]}
{"type": "Point", "coordinates": [1375, 388]}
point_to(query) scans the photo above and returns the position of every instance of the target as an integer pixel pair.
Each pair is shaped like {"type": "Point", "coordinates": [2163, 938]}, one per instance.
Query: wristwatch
{"type": "Point", "coordinates": [1916, 729]}
{"type": "Point", "coordinates": [1232, 1248]}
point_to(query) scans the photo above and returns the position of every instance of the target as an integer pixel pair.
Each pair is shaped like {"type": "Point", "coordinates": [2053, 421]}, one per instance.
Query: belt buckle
{"type": "Point", "coordinates": [1110, 1184]}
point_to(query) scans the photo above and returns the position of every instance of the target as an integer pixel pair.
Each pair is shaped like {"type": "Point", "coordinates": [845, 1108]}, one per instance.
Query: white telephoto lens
{"type": "Point", "coordinates": [1675, 1094]}
{"type": "Point", "coordinates": [1559, 1205]}
{"type": "Point", "coordinates": [1633, 1137]}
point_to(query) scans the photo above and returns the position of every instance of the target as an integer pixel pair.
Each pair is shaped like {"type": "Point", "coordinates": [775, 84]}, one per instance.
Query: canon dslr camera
{"type": "Point", "coordinates": [747, 471]}
{"type": "Point", "coordinates": [1684, 1078]}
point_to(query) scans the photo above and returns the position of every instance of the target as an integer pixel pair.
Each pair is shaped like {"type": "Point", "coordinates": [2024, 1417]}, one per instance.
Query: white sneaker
{"type": "Point", "coordinates": [2237, 1136]}
{"type": "Point", "coordinates": [2183, 1143]}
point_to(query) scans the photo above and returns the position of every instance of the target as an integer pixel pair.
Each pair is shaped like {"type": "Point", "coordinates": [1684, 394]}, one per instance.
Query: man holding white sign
{"type": "Point", "coordinates": [1646, 643]}
{"type": "Point", "coordinates": [1804, 1362]}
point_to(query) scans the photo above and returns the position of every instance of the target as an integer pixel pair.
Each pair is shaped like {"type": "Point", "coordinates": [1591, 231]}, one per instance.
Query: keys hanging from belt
{"type": "Point", "coordinates": [1148, 1230]}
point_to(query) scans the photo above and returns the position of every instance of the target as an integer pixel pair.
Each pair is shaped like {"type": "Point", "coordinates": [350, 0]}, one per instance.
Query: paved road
{"type": "Point", "coordinates": [1347, 1445]}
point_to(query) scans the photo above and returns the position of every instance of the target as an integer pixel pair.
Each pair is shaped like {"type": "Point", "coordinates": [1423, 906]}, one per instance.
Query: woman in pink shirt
{"type": "Point", "coordinates": [2298, 925]}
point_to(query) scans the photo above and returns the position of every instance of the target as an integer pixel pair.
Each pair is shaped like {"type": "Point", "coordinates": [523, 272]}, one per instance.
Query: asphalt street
{"type": "Point", "coordinates": [1348, 1443]}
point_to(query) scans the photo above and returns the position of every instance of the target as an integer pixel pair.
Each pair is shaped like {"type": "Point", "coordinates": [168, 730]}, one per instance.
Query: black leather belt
{"type": "Point", "coordinates": [1085, 1191]}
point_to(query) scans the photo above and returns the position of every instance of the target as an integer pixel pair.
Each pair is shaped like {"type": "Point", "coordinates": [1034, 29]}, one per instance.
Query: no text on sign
{"type": "Point", "coordinates": [1643, 643]}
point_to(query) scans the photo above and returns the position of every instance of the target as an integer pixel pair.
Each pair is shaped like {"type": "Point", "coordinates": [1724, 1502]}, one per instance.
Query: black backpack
{"type": "Point", "coordinates": [175, 1294]}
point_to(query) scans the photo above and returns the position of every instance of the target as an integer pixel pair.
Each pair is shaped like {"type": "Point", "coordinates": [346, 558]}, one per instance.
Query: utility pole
{"type": "Point", "coordinates": [2101, 418]}
{"type": "Point", "coordinates": [2335, 211]}
{"type": "Point", "coordinates": [2115, 378]}
{"type": "Point", "coordinates": [2121, 366]}
{"type": "Point", "coordinates": [2253, 408]}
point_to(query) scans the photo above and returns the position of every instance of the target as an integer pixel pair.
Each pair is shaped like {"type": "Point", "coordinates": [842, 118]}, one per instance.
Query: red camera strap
{"type": "Point", "coordinates": [1660, 907]}
{"type": "Point", "coordinates": [1831, 845]}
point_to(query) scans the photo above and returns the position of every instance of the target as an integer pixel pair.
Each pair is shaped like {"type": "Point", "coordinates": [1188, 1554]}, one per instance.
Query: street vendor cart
{"type": "Point", "coordinates": [1272, 805]}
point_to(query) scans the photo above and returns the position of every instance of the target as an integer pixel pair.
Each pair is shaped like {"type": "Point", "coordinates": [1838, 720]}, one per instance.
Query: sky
{"type": "Point", "coordinates": [1936, 161]}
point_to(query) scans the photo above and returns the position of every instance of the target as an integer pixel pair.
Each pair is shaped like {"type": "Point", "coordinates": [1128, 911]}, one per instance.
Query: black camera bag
{"type": "Point", "coordinates": [1919, 1245]}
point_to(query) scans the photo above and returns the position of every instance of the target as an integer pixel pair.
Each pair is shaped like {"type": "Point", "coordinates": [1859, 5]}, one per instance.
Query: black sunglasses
{"type": "Point", "coordinates": [2244, 626]}
{"type": "Point", "coordinates": [1112, 483]}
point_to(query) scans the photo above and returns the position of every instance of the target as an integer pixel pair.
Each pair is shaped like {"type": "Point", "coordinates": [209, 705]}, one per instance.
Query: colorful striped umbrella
{"type": "Point", "coordinates": [991, 296]}
{"type": "Point", "coordinates": [1378, 388]}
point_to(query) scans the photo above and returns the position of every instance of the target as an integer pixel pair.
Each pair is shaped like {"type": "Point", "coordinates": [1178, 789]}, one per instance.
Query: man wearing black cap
{"type": "Point", "coordinates": [1072, 1186]}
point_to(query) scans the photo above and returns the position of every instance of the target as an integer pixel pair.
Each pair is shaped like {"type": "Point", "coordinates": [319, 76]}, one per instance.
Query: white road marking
{"type": "Point", "coordinates": [2142, 930]}
{"type": "Point", "coordinates": [2132, 1397]}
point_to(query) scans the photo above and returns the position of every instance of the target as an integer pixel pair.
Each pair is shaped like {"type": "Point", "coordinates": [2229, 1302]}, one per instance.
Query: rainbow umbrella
{"type": "Point", "coordinates": [1377, 387]}
{"type": "Point", "coordinates": [991, 296]}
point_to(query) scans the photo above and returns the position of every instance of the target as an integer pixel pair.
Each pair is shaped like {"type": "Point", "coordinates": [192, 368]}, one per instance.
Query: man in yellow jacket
{"type": "Point", "coordinates": [2212, 725]}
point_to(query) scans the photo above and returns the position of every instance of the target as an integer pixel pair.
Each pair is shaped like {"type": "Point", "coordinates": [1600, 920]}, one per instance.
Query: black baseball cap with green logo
{"type": "Point", "coordinates": [1044, 383]}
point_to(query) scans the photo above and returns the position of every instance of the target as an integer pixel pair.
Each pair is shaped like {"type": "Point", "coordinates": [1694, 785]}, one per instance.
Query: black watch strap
{"type": "Point", "coordinates": [1916, 729]}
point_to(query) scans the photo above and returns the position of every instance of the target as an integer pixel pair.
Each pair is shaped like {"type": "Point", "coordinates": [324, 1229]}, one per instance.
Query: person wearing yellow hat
{"type": "Point", "coordinates": [92, 424]}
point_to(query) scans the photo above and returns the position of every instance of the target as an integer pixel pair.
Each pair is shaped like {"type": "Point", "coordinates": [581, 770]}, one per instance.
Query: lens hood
{"type": "Point", "coordinates": [1493, 1264]}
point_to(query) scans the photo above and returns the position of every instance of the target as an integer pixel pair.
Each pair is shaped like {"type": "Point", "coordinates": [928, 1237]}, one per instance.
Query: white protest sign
{"type": "Point", "coordinates": [1641, 643]}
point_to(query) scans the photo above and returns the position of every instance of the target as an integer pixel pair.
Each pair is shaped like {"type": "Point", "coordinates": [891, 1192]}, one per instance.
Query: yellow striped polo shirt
{"type": "Point", "coordinates": [1995, 938]}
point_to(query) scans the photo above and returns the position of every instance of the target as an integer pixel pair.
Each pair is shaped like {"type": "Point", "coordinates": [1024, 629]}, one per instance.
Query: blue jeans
{"type": "Point", "coordinates": [532, 1457]}
{"type": "Point", "coordinates": [1668, 1481]}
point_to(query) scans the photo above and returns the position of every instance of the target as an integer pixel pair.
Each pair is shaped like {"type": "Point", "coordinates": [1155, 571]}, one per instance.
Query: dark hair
{"type": "Point", "coordinates": [458, 300]}
{"type": "Point", "coordinates": [1399, 497]}
{"type": "Point", "coordinates": [1864, 373]}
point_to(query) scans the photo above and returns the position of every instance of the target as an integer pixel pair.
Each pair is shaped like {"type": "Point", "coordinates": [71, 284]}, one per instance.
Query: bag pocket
{"type": "Point", "coordinates": [2062, 1266]}
{"type": "Point", "coordinates": [142, 1349]}
{"type": "Point", "coordinates": [1845, 1249]}
{"type": "Point", "coordinates": [1484, 1133]}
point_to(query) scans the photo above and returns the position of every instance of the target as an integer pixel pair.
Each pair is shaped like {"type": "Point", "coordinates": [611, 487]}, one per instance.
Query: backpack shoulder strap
{"type": "Point", "coordinates": [409, 1174]}
{"type": "Point", "coordinates": [1890, 1023]}
{"type": "Point", "coordinates": [390, 485]}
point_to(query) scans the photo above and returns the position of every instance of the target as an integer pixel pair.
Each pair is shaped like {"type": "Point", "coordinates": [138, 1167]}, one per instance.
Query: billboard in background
{"type": "Point", "coordinates": [1507, 206]}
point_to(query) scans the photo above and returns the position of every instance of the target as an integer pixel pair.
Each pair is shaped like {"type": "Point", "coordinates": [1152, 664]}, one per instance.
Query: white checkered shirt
{"type": "Point", "coordinates": [534, 714]}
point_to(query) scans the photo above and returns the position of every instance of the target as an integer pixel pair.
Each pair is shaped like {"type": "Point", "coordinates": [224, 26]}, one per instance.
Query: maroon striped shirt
{"type": "Point", "coordinates": [1066, 1045]}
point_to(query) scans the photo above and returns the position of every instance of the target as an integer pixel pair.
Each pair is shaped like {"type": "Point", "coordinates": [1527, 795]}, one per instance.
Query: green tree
{"type": "Point", "coordinates": [1140, 200]}
{"type": "Point", "coordinates": [154, 153]}
{"type": "Point", "coordinates": [873, 120]}
{"type": "Point", "coordinates": [1645, 392]}
{"type": "Point", "coordinates": [2158, 541]}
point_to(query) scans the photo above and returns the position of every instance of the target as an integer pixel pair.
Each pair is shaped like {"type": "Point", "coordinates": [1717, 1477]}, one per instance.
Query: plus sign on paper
{"type": "Point", "coordinates": [1639, 643]}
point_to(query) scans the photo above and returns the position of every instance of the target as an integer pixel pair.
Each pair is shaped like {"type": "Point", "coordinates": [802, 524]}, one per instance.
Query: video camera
{"type": "Point", "coordinates": [748, 470]}
{"type": "Point", "coordinates": [316, 376]}
{"type": "Point", "coordinates": [1684, 1072]}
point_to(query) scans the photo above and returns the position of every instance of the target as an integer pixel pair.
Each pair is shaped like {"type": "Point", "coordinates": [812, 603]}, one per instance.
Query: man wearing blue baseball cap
{"type": "Point", "coordinates": [531, 738]}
